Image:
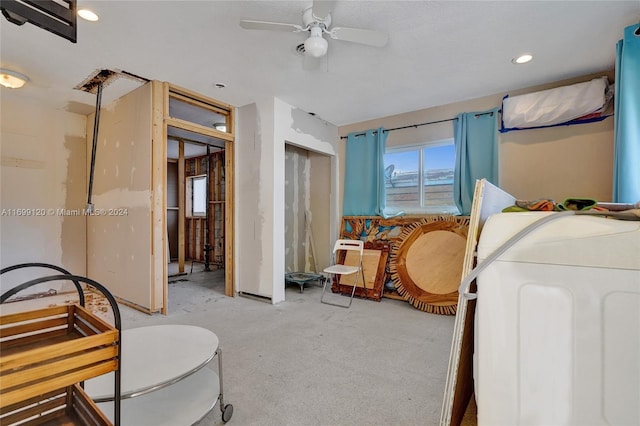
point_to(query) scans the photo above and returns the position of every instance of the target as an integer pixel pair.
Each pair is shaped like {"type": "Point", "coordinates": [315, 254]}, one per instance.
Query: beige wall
{"type": "Point", "coordinates": [558, 162]}
{"type": "Point", "coordinates": [43, 172]}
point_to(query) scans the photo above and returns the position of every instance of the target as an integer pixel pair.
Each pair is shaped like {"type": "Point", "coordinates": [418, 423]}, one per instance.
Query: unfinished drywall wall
{"type": "Point", "coordinates": [254, 186]}
{"type": "Point", "coordinates": [556, 162]}
{"type": "Point", "coordinates": [119, 233]}
{"type": "Point", "coordinates": [263, 129]}
{"type": "Point", "coordinates": [296, 195]}
{"type": "Point", "coordinates": [43, 187]}
{"type": "Point", "coordinates": [323, 217]}
{"type": "Point", "coordinates": [297, 127]}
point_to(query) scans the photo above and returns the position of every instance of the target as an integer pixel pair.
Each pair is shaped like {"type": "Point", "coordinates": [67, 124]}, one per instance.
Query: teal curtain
{"type": "Point", "coordinates": [626, 158]}
{"type": "Point", "coordinates": [476, 141]}
{"type": "Point", "coordinates": [364, 191]}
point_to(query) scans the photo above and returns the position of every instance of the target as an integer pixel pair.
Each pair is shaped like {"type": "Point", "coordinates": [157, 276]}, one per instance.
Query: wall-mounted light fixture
{"type": "Point", "coordinates": [12, 79]}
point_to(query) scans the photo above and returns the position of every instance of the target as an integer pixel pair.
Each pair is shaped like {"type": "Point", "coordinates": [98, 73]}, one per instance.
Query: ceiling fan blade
{"type": "Point", "coordinates": [272, 26]}
{"type": "Point", "coordinates": [322, 8]}
{"type": "Point", "coordinates": [310, 63]}
{"type": "Point", "coordinates": [356, 35]}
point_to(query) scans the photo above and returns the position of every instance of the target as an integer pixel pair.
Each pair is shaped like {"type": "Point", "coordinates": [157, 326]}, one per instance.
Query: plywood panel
{"type": "Point", "coordinates": [487, 200]}
{"type": "Point", "coordinates": [370, 262]}
{"type": "Point", "coordinates": [374, 261]}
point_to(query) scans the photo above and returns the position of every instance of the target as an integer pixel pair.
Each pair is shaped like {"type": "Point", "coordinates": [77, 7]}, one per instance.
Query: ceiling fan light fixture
{"type": "Point", "coordinates": [316, 46]}
{"type": "Point", "coordinates": [12, 79]}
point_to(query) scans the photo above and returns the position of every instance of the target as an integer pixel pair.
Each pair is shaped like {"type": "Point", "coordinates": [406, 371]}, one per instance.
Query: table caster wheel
{"type": "Point", "coordinates": [227, 412]}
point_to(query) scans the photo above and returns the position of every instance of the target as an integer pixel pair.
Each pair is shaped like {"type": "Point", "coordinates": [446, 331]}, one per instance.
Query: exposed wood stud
{"type": "Point", "coordinates": [229, 188]}
{"type": "Point", "coordinates": [158, 203]}
{"type": "Point", "coordinates": [181, 206]}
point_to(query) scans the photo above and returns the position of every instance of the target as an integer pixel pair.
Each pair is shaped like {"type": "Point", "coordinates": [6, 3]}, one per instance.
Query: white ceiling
{"type": "Point", "coordinates": [439, 52]}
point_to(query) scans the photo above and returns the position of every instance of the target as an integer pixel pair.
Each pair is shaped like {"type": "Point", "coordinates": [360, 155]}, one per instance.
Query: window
{"type": "Point", "coordinates": [419, 179]}
{"type": "Point", "coordinates": [197, 196]}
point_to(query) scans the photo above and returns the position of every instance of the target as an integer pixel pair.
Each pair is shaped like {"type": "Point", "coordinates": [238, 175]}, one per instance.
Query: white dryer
{"type": "Point", "coordinates": [557, 326]}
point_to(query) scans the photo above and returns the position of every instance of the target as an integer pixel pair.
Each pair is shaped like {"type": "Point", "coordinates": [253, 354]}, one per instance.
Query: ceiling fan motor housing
{"type": "Point", "coordinates": [317, 21]}
{"type": "Point", "coordinates": [309, 19]}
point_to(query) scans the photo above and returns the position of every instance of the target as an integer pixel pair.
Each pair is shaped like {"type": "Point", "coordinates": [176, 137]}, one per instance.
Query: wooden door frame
{"type": "Point", "coordinates": [161, 93]}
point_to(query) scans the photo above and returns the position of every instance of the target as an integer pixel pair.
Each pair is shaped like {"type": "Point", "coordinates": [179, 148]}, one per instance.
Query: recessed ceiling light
{"type": "Point", "coordinates": [12, 79]}
{"type": "Point", "coordinates": [522, 59]}
{"type": "Point", "coordinates": [87, 15]}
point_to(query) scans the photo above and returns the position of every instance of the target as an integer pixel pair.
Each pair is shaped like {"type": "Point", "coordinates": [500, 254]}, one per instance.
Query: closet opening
{"type": "Point", "coordinates": [307, 214]}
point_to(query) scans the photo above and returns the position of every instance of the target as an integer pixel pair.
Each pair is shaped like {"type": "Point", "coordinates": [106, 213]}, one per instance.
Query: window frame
{"type": "Point", "coordinates": [419, 147]}
{"type": "Point", "coordinates": [190, 194]}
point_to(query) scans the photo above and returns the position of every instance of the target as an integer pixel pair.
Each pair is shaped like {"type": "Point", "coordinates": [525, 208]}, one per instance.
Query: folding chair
{"type": "Point", "coordinates": [337, 270]}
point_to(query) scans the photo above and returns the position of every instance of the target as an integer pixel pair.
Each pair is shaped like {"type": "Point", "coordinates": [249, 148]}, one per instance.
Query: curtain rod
{"type": "Point", "coordinates": [420, 124]}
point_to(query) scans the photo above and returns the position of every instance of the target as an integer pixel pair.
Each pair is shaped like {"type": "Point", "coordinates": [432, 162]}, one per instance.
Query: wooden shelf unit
{"type": "Point", "coordinates": [44, 354]}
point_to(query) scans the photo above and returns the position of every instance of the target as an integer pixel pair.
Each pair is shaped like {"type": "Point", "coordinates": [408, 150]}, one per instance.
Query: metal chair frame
{"type": "Point", "coordinates": [337, 270]}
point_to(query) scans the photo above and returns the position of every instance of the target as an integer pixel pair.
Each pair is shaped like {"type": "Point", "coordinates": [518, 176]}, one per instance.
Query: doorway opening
{"type": "Point", "coordinates": [199, 137]}
{"type": "Point", "coordinates": [196, 196]}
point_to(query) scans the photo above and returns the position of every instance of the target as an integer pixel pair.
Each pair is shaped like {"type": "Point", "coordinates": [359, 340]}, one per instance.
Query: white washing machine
{"type": "Point", "coordinates": [557, 326]}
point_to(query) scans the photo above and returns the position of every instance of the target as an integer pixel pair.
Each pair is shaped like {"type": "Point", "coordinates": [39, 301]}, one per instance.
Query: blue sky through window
{"type": "Point", "coordinates": [435, 158]}
{"type": "Point", "coordinates": [402, 161]}
{"type": "Point", "coordinates": [440, 157]}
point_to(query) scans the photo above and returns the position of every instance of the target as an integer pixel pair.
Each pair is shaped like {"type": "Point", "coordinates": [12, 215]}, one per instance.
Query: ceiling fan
{"type": "Point", "coordinates": [316, 20]}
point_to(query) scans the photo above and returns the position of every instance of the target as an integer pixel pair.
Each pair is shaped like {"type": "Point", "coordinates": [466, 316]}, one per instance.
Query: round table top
{"type": "Point", "coordinates": [181, 404]}
{"type": "Point", "coordinates": [155, 356]}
